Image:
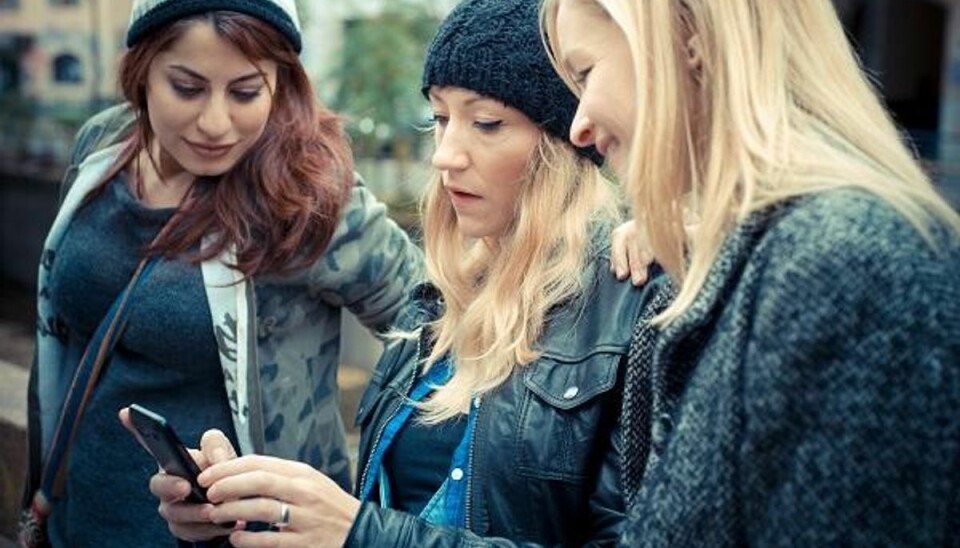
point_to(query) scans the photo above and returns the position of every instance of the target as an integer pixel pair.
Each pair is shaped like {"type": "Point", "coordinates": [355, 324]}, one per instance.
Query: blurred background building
{"type": "Point", "coordinates": [58, 61]}
{"type": "Point", "coordinates": [912, 50]}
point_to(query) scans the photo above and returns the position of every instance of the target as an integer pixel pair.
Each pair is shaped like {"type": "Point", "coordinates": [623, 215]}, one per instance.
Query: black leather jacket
{"type": "Point", "coordinates": [546, 452]}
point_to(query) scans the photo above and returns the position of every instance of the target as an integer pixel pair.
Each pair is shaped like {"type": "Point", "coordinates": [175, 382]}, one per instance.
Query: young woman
{"type": "Point", "coordinates": [805, 385]}
{"type": "Point", "coordinates": [493, 415]}
{"type": "Point", "coordinates": [243, 186]}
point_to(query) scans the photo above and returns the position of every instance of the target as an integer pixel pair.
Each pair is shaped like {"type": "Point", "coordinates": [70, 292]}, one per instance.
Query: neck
{"type": "Point", "coordinates": [156, 186]}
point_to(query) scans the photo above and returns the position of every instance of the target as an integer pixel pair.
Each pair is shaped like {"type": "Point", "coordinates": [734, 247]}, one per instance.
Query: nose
{"type": "Point", "coordinates": [450, 153]}
{"type": "Point", "coordinates": [582, 131]}
{"type": "Point", "coordinates": [214, 120]}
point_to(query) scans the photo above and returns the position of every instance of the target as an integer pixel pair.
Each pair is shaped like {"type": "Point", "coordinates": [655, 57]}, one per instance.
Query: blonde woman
{"type": "Point", "coordinates": [805, 384]}
{"type": "Point", "coordinates": [497, 416]}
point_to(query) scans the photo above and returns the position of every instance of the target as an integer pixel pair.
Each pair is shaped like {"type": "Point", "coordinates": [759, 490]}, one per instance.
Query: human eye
{"type": "Point", "coordinates": [247, 95]}
{"type": "Point", "coordinates": [186, 90]}
{"type": "Point", "coordinates": [580, 77]}
{"type": "Point", "coordinates": [439, 120]}
{"type": "Point", "coordinates": [488, 126]}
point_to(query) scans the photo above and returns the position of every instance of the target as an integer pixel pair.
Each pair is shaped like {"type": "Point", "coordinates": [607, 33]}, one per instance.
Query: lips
{"type": "Point", "coordinates": [210, 150]}
{"type": "Point", "coordinates": [463, 194]}
{"type": "Point", "coordinates": [461, 197]}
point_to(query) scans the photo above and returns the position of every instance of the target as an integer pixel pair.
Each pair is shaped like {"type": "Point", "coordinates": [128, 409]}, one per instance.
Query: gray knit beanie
{"type": "Point", "coordinates": [493, 47]}
{"type": "Point", "coordinates": [150, 14]}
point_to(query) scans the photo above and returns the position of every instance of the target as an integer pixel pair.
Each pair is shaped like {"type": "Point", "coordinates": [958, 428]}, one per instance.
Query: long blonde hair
{"type": "Point", "coordinates": [778, 107]}
{"type": "Point", "coordinates": [497, 297]}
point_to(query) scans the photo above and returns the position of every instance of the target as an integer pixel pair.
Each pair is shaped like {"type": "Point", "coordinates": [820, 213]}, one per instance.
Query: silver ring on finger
{"type": "Point", "coordinates": [284, 520]}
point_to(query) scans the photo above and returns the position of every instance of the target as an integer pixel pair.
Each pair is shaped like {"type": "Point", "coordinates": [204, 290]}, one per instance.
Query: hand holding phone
{"type": "Point", "coordinates": [160, 440]}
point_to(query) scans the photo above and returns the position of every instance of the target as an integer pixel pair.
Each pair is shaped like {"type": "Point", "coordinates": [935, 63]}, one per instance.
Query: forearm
{"type": "Point", "coordinates": [382, 526]}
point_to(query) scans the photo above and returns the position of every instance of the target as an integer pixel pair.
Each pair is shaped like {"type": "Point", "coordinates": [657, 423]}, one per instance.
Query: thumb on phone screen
{"type": "Point", "coordinates": [216, 447]}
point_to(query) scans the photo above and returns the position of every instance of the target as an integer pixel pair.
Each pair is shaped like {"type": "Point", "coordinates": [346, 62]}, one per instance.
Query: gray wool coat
{"type": "Point", "coordinates": [811, 394]}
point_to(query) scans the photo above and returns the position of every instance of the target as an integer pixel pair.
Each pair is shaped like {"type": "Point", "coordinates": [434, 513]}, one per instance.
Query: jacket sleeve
{"type": "Point", "coordinates": [101, 130]}
{"type": "Point", "coordinates": [851, 391]}
{"type": "Point", "coordinates": [370, 266]}
{"type": "Point", "coordinates": [32, 479]}
{"type": "Point", "coordinates": [383, 526]}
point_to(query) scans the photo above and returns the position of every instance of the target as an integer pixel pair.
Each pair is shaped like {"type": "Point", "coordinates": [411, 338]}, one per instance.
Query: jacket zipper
{"type": "Point", "coordinates": [376, 441]}
{"type": "Point", "coordinates": [473, 444]}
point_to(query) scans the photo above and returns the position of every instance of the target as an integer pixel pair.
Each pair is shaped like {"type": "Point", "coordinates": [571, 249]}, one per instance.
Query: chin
{"type": "Point", "coordinates": [472, 232]}
{"type": "Point", "coordinates": [211, 170]}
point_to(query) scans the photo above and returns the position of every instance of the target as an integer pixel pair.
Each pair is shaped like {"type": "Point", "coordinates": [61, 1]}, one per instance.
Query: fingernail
{"type": "Point", "coordinates": [219, 454]}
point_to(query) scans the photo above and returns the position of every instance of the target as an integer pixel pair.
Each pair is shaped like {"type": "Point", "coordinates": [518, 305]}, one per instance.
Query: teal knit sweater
{"type": "Point", "coordinates": [811, 394]}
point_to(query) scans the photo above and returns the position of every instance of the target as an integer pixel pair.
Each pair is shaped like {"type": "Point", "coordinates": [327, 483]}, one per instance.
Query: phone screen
{"type": "Point", "coordinates": [162, 442]}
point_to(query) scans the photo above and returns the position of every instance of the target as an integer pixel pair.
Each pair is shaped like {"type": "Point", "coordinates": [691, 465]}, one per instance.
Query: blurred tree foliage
{"type": "Point", "coordinates": [303, 13]}
{"type": "Point", "coordinates": [379, 79]}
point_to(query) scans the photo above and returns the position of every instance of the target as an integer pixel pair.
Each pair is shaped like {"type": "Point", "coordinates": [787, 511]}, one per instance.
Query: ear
{"type": "Point", "coordinates": [693, 46]}
{"type": "Point", "coordinates": [694, 49]}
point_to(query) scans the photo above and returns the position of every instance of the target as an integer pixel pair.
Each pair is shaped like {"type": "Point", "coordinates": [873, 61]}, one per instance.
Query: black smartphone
{"type": "Point", "coordinates": [165, 446]}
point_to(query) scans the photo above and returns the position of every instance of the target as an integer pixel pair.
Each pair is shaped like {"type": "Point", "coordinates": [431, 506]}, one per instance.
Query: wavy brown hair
{"type": "Point", "coordinates": [279, 205]}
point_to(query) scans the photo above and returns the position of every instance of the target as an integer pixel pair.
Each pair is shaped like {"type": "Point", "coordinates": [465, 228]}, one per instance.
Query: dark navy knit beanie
{"type": "Point", "coordinates": [493, 47]}
{"type": "Point", "coordinates": [151, 14]}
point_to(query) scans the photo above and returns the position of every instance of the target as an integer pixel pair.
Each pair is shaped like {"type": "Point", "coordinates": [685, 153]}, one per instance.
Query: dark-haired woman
{"type": "Point", "coordinates": [244, 188]}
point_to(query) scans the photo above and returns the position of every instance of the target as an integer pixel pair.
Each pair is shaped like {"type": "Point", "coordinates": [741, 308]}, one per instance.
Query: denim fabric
{"type": "Point", "coordinates": [438, 375]}
{"type": "Point", "coordinates": [448, 504]}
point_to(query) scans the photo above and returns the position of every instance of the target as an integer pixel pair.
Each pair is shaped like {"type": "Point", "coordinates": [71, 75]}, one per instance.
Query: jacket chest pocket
{"type": "Point", "coordinates": [567, 414]}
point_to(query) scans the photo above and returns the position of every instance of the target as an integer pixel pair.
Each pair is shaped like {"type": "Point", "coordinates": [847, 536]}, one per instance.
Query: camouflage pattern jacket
{"type": "Point", "coordinates": [279, 337]}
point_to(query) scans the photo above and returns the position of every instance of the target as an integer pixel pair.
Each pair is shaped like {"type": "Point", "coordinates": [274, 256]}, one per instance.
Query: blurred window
{"type": "Point", "coordinates": [67, 69]}
{"type": "Point", "coordinates": [9, 4]}
{"type": "Point", "coordinates": [64, 2]}
{"type": "Point", "coordinates": [9, 75]}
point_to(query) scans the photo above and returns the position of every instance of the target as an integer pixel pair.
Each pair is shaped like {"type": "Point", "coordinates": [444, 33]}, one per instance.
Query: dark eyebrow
{"type": "Point", "coordinates": [434, 96]}
{"type": "Point", "coordinates": [198, 76]}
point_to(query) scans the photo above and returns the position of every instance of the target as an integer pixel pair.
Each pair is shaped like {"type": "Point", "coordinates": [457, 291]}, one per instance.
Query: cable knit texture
{"type": "Point", "coordinates": [493, 47]}
{"type": "Point", "coordinates": [638, 413]}
{"type": "Point", "coordinates": [148, 15]}
{"type": "Point", "coordinates": [810, 395]}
